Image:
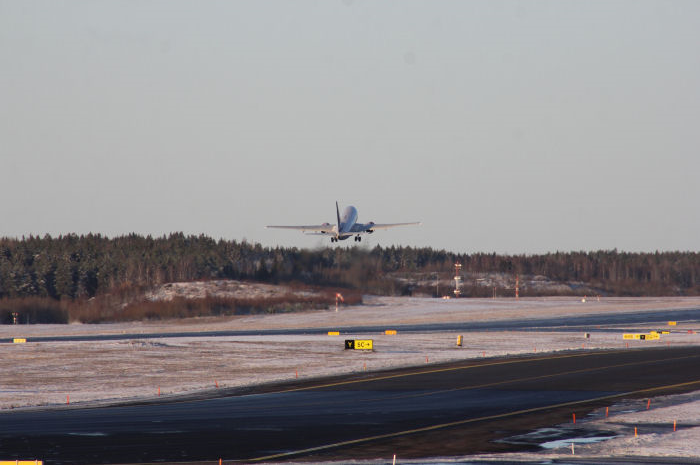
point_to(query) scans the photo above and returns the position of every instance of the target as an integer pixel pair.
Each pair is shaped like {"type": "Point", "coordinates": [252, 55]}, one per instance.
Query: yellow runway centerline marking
{"type": "Point", "coordinates": [477, 386]}
{"type": "Point", "coordinates": [469, 367]}
{"type": "Point", "coordinates": [461, 388]}
{"type": "Point", "coordinates": [437, 370]}
{"type": "Point", "coordinates": [464, 422]}
{"type": "Point", "coordinates": [516, 380]}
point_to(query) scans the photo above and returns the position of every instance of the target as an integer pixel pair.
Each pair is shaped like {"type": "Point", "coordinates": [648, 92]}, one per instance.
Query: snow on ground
{"type": "Point", "coordinates": [654, 428]}
{"type": "Point", "coordinates": [51, 373]}
{"type": "Point", "coordinates": [655, 434]}
{"type": "Point", "coordinates": [227, 288]}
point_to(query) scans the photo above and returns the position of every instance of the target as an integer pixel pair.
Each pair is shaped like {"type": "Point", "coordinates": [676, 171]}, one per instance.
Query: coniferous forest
{"type": "Point", "coordinates": [55, 273]}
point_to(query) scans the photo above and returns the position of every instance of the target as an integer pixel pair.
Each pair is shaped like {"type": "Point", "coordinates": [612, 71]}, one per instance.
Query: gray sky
{"type": "Point", "coordinates": [507, 126]}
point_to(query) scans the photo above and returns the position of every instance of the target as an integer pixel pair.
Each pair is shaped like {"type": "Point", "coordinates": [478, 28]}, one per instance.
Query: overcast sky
{"type": "Point", "coordinates": [506, 126]}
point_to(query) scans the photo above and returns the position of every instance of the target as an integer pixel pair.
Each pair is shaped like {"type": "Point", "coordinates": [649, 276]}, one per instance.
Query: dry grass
{"type": "Point", "coordinates": [34, 310]}
{"type": "Point", "coordinates": [133, 304]}
{"type": "Point", "coordinates": [180, 307]}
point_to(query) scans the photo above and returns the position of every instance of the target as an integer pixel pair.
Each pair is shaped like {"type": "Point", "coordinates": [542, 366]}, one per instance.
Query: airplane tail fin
{"type": "Point", "coordinates": [337, 214]}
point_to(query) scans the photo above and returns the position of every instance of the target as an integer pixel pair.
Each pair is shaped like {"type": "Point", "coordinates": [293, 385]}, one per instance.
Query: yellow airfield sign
{"type": "Point", "coordinates": [644, 337]}
{"type": "Point", "coordinates": [359, 344]}
{"type": "Point", "coordinates": [21, 462]}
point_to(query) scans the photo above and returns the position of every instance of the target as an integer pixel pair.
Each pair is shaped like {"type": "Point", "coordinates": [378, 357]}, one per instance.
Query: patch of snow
{"type": "Point", "coordinates": [226, 288]}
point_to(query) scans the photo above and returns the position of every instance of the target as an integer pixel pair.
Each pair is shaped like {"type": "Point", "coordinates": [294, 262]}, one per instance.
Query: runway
{"type": "Point", "coordinates": [589, 323]}
{"type": "Point", "coordinates": [413, 409]}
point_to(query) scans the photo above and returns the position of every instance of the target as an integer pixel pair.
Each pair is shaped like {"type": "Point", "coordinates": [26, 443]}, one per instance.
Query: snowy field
{"type": "Point", "coordinates": [90, 373]}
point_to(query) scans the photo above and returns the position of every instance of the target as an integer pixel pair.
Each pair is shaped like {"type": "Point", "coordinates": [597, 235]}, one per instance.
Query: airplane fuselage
{"type": "Point", "coordinates": [347, 222]}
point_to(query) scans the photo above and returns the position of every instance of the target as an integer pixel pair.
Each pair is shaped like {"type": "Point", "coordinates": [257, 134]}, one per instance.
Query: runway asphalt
{"type": "Point", "coordinates": [589, 323]}
{"type": "Point", "coordinates": [458, 408]}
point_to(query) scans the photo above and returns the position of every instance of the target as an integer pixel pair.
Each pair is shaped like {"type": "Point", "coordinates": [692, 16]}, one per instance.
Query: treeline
{"type": "Point", "coordinates": [80, 267]}
{"type": "Point", "coordinates": [613, 273]}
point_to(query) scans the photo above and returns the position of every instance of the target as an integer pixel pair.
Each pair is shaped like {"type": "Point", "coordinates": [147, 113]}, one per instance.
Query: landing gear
{"type": "Point", "coordinates": [333, 239]}
{"type": "Point", "coordinates": [358, 238]}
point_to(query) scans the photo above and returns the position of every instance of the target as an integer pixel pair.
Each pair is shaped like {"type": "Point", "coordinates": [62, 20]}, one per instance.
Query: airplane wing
{"type": "Point", "coordinates": [391, 225]}
{"type": "Point", "coordinates": [319, 228]}
{"type": "Point", "coordinates": [371, 227]}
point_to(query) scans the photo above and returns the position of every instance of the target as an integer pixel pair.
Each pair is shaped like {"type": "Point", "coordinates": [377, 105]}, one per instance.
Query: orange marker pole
{"type": "Point", "coordinates": [426, 359]}
{"type": "Point", "coordinates": [648, 403]}
{"type": "Point", "coordinates": [674, 426]}
{"type": "Point", "coordinates": [159, 390]}
{"type": "Point", "coordinates": [574, 416]}
{"type": "Point", "coordinates": [296, 373]}
{"type": "Point", "coordinates": [364, 366]}
{"type": "Point", "coordinates": [219, 461]}
{"type": "Point", "coordinates": [67, 399]}
{"type": "Point", "coordinates": [635, 431]}
{"type": "Point", "coordinates": [216, 383]}
{"type": "Point", "coordinates": [606, 412]}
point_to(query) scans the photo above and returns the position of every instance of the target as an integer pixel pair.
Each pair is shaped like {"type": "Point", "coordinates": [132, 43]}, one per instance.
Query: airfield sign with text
{"type": "Point", "coordinates": [359, 344]}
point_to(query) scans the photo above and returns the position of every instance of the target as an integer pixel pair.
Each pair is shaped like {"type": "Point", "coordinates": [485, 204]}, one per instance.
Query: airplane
{"type": "Point", "coordinates": [347, 226]}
